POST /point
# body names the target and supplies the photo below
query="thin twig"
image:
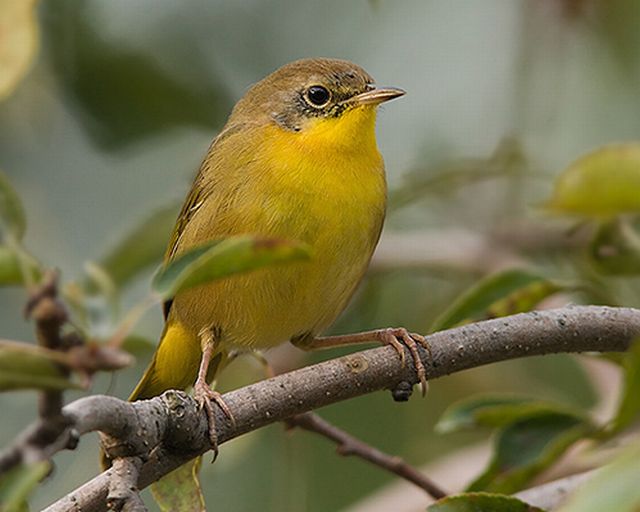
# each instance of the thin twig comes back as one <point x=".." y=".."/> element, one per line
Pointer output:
<point x="49" y="316"/>
<point x="349" y="445"/>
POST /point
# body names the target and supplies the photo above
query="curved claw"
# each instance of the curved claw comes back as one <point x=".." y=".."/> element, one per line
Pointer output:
<point x="390" y="337"/>
<point x="204" y="395"/>
<point x="400" y="337"/>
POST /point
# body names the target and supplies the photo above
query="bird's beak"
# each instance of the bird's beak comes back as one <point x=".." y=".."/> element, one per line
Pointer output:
<point x="376" y="96"/>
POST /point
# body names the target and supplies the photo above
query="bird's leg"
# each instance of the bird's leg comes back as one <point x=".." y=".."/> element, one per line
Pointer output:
<point x="398" y="338"/>
<point x="203" y="393"/>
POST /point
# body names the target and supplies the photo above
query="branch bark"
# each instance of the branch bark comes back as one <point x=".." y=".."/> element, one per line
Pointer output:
<point x="175" y="421"/>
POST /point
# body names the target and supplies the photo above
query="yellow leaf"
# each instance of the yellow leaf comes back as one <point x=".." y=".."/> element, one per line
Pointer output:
<point x="603" y="183"/>
<point x="180" y="489"/>
<point x="18" y="42"/>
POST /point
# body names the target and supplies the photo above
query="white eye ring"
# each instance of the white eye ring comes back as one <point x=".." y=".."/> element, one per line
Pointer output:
<point x="317" y="96"/>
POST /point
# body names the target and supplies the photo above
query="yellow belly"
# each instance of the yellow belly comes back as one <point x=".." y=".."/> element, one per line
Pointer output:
<point x="307" y="189"/>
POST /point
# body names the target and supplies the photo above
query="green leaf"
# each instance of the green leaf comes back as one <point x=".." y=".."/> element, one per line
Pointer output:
<point x="531" y="434"/>
<point x="16" y="484"/>
<point x="180" y="489"/>
<point x="629" y="406"/>
<point x="496" y="411"/>
<point x="100" y="279"/>
<point x="10" y="269"/>
<point x="615" y="28"/>
<point x="15" y="265"/>
<point x="490" y="411"/>
<point x="527" y="447"/>
<point x="25" y="366"/>
<point x="12" y="214"/>
<point x="602" y="183"/>
<point x="222" y="258"/>
<point x="141" y="248"/>
<point x="138" y="346"/>
<point x="505" y="293"/>
<point x="122" y="95"/>
<point x="615" y="248"/>
<point x="481" y="502"/>
<point x="613" y="488"/>
<point x="466" y="414"/>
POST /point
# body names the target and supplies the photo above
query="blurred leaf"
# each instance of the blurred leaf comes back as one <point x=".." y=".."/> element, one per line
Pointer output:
<point x="25" y="366"/>
<point x="100" y="279"/>
<point x="531" y="435"/>
<point x="481" y="502"/>
<point x="124" y="94"/>
<point x="12" y="214"/>
<point x="616" y="358"/>
<point x="602" y="183"/>
<point x="615" y="248"/>
<point x="17" y="484"/>
<point x="527" y="447"/>
<point x="138" y="346"/>
<point x="616" y="23"/>
<point x="13" y="264"/>
<point x="505" y="293"/>
<point x="141" y="248"/>
<point x="180" y="489"/>
<point x="222" y="258"/>
<point x="613" y="488"/>
<point x="496" y="411"/>
<point x="20" y="37"/>
<point x="76" y="299"/>
<point x="629" y="406"/>
<point x="466" y="414"/>
<point x="507" y="160"/>
<point x="10" y="269"/>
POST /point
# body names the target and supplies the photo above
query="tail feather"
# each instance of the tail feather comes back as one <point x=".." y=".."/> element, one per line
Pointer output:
<point x="174" y="365"/>
<point x="149" y="385"/>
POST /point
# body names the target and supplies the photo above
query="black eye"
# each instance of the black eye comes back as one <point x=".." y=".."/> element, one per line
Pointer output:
<point x="318" y="96"/>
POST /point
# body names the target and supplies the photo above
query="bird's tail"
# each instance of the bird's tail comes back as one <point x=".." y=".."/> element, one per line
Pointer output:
<point x="174" y="365"/>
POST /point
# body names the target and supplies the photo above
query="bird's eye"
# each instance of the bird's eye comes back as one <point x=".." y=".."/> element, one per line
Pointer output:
<point x="317" y="96"/>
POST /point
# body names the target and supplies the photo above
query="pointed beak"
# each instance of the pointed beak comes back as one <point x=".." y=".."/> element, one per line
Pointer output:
<point x="376" y="96"/>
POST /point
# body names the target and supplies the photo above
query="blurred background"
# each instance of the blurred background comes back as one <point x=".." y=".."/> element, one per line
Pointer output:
<point x="121" y="100"/>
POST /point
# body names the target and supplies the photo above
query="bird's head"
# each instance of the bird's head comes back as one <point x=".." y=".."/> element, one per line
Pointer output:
<point x="314" y="95"/>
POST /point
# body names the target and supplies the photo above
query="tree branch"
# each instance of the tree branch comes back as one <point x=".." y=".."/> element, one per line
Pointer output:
<point x="70" y="352"/>
<point x="184" y="426"/>
<point x="49" y="315"/>
<point x="349" y="445"/>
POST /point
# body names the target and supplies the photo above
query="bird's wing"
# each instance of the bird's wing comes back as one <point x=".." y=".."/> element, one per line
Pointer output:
<point x="201" y="189"/>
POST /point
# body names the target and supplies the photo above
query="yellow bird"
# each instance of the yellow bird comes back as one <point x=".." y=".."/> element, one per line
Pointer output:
<point x="297" y="160"/>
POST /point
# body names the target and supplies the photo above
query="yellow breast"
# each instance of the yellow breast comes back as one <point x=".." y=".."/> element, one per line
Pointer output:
<point x="323" y="185"/>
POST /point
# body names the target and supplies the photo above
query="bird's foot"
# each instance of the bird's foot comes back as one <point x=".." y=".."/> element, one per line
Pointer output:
<point x="399" y="338"/>
<point x="205" y="396"/>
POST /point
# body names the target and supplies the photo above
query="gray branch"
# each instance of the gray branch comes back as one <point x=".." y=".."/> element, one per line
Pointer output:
<point x="178" y="429"/>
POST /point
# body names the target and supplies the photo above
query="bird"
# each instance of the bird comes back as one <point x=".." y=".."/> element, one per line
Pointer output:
<point x="296" y="160"/>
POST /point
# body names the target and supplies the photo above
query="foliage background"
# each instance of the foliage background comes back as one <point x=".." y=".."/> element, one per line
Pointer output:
<point x="124" y="98"/>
